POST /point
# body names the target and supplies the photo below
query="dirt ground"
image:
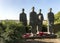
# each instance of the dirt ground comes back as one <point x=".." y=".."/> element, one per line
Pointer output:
<point x="43" y="41"/>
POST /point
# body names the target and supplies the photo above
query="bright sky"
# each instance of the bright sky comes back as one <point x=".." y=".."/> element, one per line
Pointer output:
<point x="10" y="9"/>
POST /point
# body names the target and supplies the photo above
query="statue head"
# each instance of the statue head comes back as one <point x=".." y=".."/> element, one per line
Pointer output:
<point x="50" y="9"/>
<point x="40" y="11"/>
<point x="23" y="10"/>
<point x="33" y="9"/>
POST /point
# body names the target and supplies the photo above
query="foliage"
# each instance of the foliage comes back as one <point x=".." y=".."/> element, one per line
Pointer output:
<point x="12" y="32"/>
<point x="57" y="24"/>
<point x="58" y="34"/>
<point x="57" y="18"/>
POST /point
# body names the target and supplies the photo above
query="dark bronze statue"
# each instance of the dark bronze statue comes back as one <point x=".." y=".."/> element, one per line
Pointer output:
<point x="33" y="21"/>
<point x="50" y="21"/>
<point x="40" y="21"/>
<point x="23" y="18"/>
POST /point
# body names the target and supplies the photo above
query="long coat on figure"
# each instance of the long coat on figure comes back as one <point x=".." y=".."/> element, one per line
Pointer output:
<point x="33" y="21"/>
<point x="23" y="18"/>
<point x="40" y="21"/>
<point x="50" y="21"/>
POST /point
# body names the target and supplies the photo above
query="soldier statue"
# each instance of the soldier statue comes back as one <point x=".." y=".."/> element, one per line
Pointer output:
<point x="40" y="21"/>
<point x="23" y="18"/>
<point x="33" y="21"/>
<point x="50" y="21"/>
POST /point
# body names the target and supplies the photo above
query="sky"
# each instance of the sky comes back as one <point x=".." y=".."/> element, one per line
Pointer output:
<point x="10" y="9"/>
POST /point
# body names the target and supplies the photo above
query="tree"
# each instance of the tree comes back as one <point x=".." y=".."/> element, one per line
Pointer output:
<point x="57" y="17"/>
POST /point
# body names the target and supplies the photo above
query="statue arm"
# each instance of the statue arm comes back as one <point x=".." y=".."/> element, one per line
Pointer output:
<point x="53" y="16"/>
<point x="42" y="17"/>
<point x="26" y="17"/>
<point x="48" y="16"/>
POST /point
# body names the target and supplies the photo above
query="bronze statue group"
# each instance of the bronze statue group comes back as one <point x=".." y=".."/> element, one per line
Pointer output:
<point x="36" y="20"/>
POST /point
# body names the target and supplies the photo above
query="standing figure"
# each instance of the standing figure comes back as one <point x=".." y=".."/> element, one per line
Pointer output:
<point x="40" y="21"/>
<point x="33" y="21"/>
<point x="50" y="21"/>
<point x="23" y="18"/>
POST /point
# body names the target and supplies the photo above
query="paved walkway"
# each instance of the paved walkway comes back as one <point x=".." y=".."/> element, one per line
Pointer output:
<point x="43" y="41"/>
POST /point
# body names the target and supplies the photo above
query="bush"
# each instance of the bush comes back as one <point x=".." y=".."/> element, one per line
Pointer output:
<point x="12" y="32"/>
<point x="58" y="34"/>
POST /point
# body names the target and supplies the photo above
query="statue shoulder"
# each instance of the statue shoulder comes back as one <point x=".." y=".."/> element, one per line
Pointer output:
<point x="50" y="13"/>
<point x="22" y="13"/>
<point x="32" y="12"/>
